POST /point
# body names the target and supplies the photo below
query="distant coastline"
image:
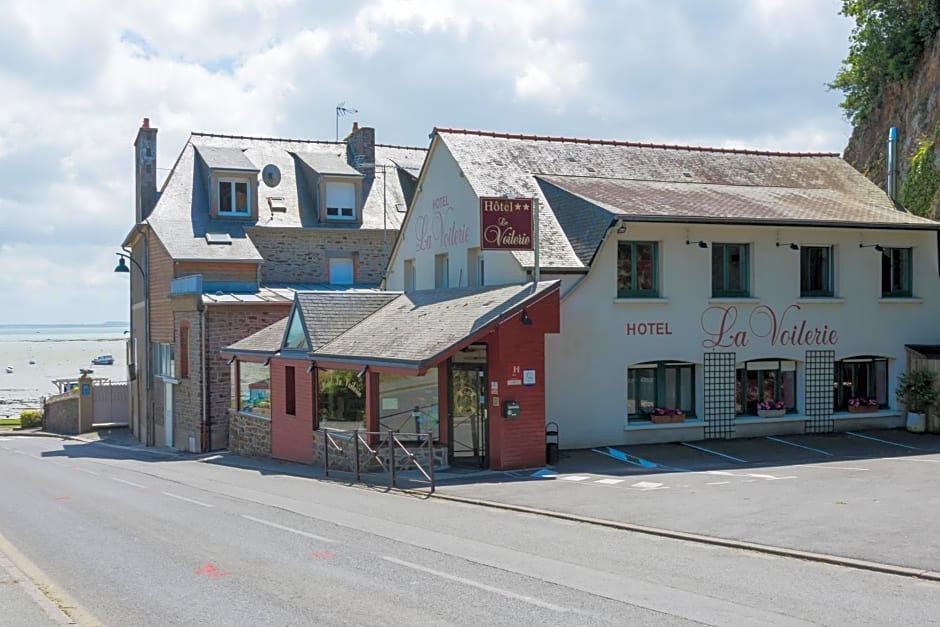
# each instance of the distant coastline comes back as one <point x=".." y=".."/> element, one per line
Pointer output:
<point x="50" y="325"/>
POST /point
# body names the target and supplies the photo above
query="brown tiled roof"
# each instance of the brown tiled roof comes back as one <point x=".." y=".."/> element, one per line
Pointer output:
<point x="416" y="327"/>
<point x="586" y="184"/>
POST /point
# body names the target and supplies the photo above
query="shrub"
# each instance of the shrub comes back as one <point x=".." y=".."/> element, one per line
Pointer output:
<point x="30" y="418"/>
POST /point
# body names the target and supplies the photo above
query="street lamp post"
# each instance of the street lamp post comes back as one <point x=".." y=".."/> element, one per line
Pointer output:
<point x="123" y="268"/>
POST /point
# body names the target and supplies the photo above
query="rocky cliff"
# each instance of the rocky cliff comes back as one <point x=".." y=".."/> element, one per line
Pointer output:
<point x="913" y="106"/>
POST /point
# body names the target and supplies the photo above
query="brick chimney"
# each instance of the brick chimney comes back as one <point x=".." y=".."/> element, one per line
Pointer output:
<point x="145" y="170"/>
<point x="360" y="149"/>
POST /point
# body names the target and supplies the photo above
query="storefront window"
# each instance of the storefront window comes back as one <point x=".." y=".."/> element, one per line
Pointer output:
<point x="409" y="404"/>
<point x="860" y="377"/>
<point x="341" y="399"/>
<point x="662" y="385"/>
<point x="254" y="386"/>
<point x="765" y="381"/>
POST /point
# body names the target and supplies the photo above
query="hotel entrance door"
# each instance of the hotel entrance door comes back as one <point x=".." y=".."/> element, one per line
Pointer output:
<point x="468" y="412"/>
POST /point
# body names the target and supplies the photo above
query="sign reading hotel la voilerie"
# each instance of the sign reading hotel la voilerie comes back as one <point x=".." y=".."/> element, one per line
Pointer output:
<point x="505" y="223"/>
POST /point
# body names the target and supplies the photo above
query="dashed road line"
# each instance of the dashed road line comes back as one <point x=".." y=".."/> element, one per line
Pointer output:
<point x="575" y="478"/>
<point x="708" y="450"/>
<point x="717" y="482"/>
<point x="187" y="499"/>
<point x="649" y="485"/>
<point x="312" y="536"/>
<point x="86" y="471"/>
<point x="808" y="448"/>
<point x="136" y="485"/>
<point x="610" y="481"/>
<point x="480" y="586"/>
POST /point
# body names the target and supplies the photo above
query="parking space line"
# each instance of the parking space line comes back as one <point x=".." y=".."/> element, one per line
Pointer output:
<point x="705" y="450"/>
<point x="717" y="482"/>
<point x="575" y="478"/>
<point x="624" y="457"/>
<point x="808" y="448"/>
<point x="610" y="481"/>
<point x="868" y="437"/>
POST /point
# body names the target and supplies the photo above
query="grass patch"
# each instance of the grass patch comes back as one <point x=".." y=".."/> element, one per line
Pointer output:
<point x="10" y="423"/>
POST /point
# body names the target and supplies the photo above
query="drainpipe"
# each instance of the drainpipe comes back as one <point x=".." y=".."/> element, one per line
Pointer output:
<point x="206" y="431"/>
<point x="892" y="165"/>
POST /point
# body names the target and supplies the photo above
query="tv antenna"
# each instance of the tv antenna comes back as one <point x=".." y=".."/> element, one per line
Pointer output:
<point x="341" y="110"/>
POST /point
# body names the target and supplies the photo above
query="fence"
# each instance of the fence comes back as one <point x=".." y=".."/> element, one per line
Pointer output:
<point x="374" y="452"/>
<point x="111" y="403"/>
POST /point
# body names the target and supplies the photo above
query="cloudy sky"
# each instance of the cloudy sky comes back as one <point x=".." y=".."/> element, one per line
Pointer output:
<point x="78" y="77"/>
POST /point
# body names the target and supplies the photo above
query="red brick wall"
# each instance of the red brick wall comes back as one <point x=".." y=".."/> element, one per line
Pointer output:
<point x="292" y="436"/>
<point x="520" y="442"/>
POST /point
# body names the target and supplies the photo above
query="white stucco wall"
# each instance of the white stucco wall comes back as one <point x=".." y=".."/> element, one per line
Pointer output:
<point x="587" y="363"/>
<point x="445" y="218"/>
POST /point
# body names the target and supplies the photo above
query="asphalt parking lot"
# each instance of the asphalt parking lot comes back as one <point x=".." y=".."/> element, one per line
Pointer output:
<point x="871" y="495"/>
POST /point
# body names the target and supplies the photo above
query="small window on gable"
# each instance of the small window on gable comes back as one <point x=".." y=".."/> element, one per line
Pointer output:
<point x="342" y="271"/>
<point x="296" y="336"/>
<point x="409" y="271"/>
<point x="234" y="199"/>
<point x="340" y="201"/>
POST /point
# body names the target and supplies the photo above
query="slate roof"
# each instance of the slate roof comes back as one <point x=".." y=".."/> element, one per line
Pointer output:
<point x="666" y="183"/>
<point x="225" y="158"/>
<point x="180" y="218"/>
<point x="267" y="341"/>
<point x="329" y="314"/>
<point x="326" y="163"/>
<point x="415" y="327"/>
<point x="279" y="293"/>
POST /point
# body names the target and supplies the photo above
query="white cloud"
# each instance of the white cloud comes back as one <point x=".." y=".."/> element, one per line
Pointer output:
<point x="79" y="77"/>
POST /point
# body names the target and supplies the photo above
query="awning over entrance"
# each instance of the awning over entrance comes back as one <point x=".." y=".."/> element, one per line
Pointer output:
<point x="419" y="329"/>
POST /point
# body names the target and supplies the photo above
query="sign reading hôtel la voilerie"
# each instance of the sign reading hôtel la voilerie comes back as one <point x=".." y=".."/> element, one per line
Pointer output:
<point x="505" y="223"/>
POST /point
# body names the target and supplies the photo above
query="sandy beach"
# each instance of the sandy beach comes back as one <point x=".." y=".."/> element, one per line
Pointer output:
<point x="54" y="359"/>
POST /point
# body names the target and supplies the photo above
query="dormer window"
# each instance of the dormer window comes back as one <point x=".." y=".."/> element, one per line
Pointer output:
<point x="234" y="199"/>
<point x="340" y="201"/>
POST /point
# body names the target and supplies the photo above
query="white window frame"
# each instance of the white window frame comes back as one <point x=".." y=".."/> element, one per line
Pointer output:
<point x="341" y="211"/>
<point x="232" y="182"/>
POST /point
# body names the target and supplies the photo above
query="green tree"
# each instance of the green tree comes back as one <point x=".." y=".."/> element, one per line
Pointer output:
<point x="886" y="42"/>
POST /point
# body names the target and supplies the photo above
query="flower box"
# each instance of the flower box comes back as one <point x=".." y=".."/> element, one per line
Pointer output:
<point x="862" y="410"/>
<point x="771" y="413"/>
<point x="667" y="419"/>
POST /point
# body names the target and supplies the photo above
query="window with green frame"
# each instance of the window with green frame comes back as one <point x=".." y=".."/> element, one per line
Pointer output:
<point x="637" y="269"/>
<point x="730" y="269"/>
<point x="663" y="384"/>
<point x="765" y="381"/>
<point x="816" y="271"/>
<point x="860" y="377"/>
<point x="897" y="272"/>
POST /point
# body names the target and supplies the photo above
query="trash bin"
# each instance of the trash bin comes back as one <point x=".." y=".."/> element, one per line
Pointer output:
<point x="551" y="443"/>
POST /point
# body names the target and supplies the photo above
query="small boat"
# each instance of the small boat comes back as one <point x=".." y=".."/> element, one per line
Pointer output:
<point x="32" y="362"/>
<point x="103" y="360"/>
<point x="9" y="369"/>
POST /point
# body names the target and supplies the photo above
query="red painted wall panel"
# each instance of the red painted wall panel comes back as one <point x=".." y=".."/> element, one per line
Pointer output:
<point x="292" y="436"/>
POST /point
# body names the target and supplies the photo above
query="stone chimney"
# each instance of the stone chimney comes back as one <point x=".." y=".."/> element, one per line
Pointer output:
<point x="145" y="170"/>
<point x="360" y="149"/>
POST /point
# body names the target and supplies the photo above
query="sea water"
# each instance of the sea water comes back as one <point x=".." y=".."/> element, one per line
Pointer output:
<point x="40" y="354"/>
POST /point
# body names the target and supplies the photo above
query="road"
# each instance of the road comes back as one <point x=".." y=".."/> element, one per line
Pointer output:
<point x="128" y="538"/>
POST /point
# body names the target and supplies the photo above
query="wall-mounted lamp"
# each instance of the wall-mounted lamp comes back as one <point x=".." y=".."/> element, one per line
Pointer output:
<point x="232" y="360"/>
<point x="792" y="245"/>
<point x="877" y="247"/>
<point x="700" y="244"/>
<point x="311" y="367"/>
<point x="621" y="228"/>
<point x="526" y="320"/>
<point x="363" y="372"/>
<point x="267" y="362"/>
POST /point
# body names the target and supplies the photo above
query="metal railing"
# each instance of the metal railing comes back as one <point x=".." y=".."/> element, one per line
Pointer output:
<point x="384" y="448"/>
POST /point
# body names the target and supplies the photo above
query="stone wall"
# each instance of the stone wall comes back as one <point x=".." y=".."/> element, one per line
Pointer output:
<point x="60" y="414"/>
<point x="302" y="255"/>
<point x="249" y="435"/>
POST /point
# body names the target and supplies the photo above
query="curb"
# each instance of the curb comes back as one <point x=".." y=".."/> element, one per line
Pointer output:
<point x="836" y="560"/>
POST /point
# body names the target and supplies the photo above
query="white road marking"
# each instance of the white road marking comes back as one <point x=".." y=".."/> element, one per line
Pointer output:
<point x="808" y="448"/>
<point x="86" y="471"/>
<point x="769" y="477"/>
<point x="868" y="437"/>
<point x="610" y="481"/>
<point x="828" y="467"/>
<point x="912" y="459"/>
<point x="647" y="485"/>
<point x="708" y="450"/>
<point x="290" y="529"/>
<point x="136" y="485"/>
<point x="717" y="482"/>
<point x="478" y="585"/>
<point x="188" y="500"/>
<point x="575" y="478"/>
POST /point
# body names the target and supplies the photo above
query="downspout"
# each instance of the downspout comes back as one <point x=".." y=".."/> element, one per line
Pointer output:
<point x="206" y="429"/>
<point x="892" y="165"/>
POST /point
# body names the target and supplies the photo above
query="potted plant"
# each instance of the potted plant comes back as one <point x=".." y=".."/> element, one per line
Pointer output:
<point x="917" y="390"/>
<point x="665" y="415"/>
<point x="771" y="409"/>
<point x="861" y="405"/>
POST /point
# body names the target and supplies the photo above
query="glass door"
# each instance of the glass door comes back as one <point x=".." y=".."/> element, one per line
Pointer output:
<point x="468" y="415"/>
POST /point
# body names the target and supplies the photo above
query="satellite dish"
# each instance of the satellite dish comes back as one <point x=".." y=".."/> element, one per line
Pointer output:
<point x="271" y="175"/>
